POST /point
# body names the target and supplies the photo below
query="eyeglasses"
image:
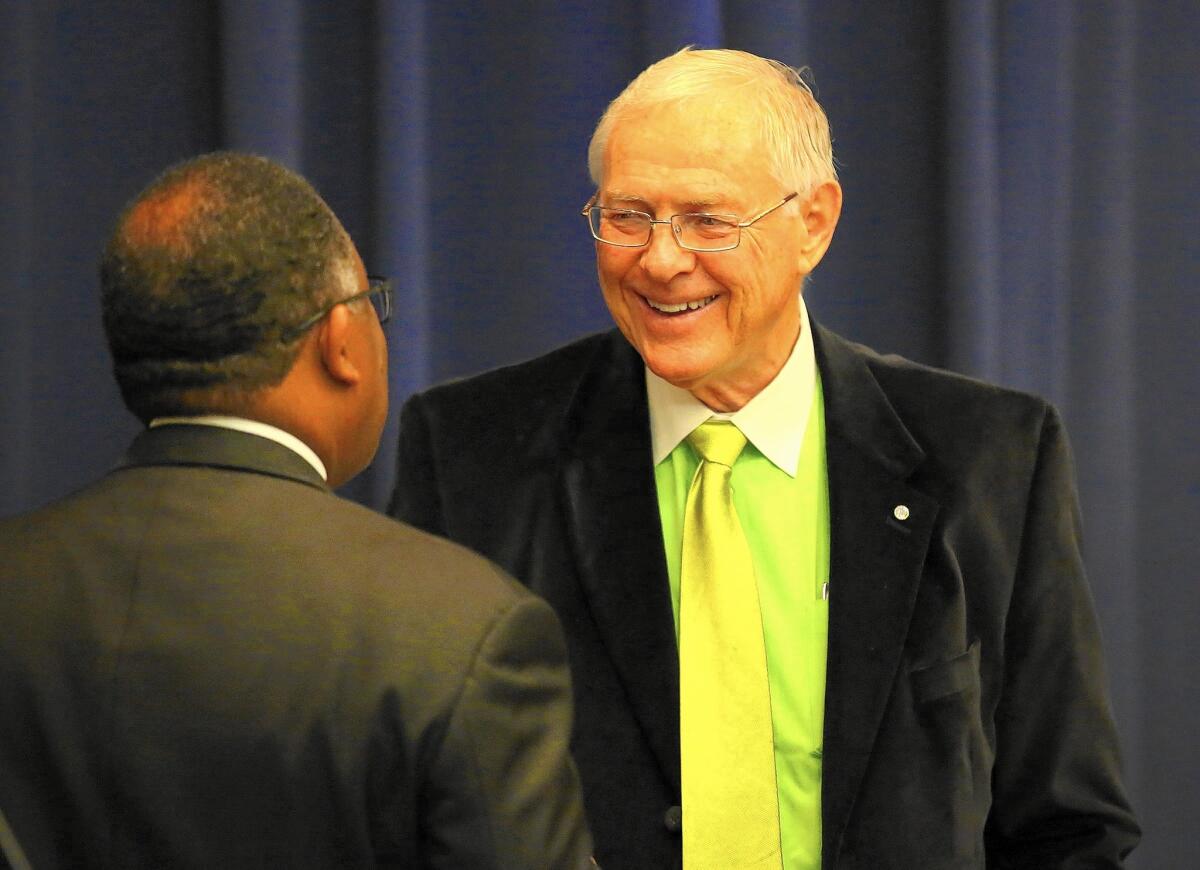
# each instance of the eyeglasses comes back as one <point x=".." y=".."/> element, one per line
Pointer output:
<point x="706" y="233"/>
<point x="379" y="292"/>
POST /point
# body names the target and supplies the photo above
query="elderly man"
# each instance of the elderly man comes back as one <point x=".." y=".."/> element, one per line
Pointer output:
<point x="209" y="660"/>
<point x="824" y="608"/>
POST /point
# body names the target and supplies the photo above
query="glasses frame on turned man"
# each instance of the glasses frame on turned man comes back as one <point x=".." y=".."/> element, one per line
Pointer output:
<point x="700" y="232"/>
<point x="378" y="292"/>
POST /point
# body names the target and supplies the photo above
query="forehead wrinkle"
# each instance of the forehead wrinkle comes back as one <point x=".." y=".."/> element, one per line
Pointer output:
<point x="162" y="218"/>
<point x="715" y="204"/>
<point x="622" y="196"/>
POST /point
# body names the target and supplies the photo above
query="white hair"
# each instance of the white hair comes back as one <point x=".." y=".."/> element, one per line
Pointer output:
<point x="793" y="127"/>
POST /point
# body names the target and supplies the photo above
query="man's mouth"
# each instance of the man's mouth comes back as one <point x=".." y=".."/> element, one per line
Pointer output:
<point x="678" y="307"/>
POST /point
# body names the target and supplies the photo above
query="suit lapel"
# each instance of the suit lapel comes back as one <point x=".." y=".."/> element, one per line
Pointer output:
<point x="615" y="530"/>
<point x="879" y="529"/>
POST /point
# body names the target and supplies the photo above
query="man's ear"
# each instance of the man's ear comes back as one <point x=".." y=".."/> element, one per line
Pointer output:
<point x="334" y="341"/>
<point x="820" y="213"/>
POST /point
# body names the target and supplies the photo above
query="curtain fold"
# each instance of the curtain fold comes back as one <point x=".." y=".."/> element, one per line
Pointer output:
<point x="261" y="66"/>
<point x="973" y="187"/>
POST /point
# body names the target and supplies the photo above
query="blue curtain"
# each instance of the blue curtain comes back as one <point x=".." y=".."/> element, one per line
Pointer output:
<point x="1021" y="191"/>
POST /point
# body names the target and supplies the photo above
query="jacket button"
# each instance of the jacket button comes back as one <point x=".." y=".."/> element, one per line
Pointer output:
<point x="673" y="819"/>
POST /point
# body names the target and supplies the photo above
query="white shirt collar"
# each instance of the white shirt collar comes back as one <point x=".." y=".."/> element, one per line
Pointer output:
<point x="773" y="421"/>
<point x="252" y="427"/>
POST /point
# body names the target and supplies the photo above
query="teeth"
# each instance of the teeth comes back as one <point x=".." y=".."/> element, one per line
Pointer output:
<point x="682" y="306"/>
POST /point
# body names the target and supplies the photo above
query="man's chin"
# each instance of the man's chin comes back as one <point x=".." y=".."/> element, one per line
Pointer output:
<point x="686" y="374"/>
<point x="683" y="363"/>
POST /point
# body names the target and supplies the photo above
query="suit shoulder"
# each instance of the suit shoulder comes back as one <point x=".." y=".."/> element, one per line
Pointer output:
<point x="523" y="406"/>
<point x="428" y="605"/>
<point x="399" y="552"/>
<point x="928" y="392"/>
<point x="551" y="376"/>
<point x="957" y="422"/>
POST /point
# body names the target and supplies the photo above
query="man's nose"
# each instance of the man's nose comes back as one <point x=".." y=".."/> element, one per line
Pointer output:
<point x="662" y="258"/>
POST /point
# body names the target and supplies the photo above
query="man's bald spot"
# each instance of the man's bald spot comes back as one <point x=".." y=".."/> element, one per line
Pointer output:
<point x="161" y="219"/>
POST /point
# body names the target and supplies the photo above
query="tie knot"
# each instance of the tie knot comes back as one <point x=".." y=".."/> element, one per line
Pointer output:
<point x="718" y="441"/>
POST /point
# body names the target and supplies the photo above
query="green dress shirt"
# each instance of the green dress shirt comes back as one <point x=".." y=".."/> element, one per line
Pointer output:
<point x="786" y="522"/>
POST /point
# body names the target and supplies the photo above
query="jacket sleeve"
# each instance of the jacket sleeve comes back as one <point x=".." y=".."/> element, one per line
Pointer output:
<point x="1057" y="796"/>
<point x="502" y="791"/>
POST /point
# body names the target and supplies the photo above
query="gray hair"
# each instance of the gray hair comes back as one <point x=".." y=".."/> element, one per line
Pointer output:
<point x="793" y="127"/>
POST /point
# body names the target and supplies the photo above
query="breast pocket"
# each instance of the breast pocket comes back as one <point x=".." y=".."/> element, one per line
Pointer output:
<point x="944" y="679"/>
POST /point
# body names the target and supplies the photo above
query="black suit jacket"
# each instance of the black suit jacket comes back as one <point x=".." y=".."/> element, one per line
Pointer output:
<point x="966" y="714"/>
<point x="209" y="660"/>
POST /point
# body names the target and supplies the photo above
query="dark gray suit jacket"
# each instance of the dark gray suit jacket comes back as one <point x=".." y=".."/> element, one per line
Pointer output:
<point x="209" y="660"/>
<point x="966" y="710"/>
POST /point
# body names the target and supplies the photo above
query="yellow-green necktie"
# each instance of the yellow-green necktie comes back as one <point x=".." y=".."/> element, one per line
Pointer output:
<point x="730" y="803"/>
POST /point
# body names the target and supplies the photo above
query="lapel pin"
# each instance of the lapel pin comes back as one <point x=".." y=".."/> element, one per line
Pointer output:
<point x="900" y="512"/>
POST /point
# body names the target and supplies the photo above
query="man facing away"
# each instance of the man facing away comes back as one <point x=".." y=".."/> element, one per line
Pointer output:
<point x="209" y="660"/>
<point x="824" y="608"/>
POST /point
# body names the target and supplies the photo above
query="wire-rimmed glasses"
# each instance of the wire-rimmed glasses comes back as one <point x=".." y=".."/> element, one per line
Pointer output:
<point x="705" y="233"/>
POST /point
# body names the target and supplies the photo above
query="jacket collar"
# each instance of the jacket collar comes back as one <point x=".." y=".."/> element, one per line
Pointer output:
<point x="856" y="407"/>
<point x="214" y="447"/>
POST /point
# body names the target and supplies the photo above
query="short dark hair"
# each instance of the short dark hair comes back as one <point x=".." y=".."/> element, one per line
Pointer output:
<point x="207" y="269"/>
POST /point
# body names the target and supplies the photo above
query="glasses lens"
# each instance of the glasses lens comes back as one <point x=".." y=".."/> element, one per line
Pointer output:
<point x="706" y="232"/>
<point x="381" y="298"/>
<point x="619" y="226"/>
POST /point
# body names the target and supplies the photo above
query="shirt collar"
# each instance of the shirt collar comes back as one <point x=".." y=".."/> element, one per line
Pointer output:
<point x="251" y="427"/>
<point x="773" y="421"/>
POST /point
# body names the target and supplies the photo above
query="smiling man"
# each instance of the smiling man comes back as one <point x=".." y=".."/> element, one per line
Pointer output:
<point x="824" y="608"/>
<point x="721" y="323"/>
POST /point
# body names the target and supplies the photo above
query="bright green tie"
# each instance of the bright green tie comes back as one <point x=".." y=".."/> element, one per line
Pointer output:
<point x="730" y="803"/>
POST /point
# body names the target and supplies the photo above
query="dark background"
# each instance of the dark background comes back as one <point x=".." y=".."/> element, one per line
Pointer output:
<point x="1021" y="200"/>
